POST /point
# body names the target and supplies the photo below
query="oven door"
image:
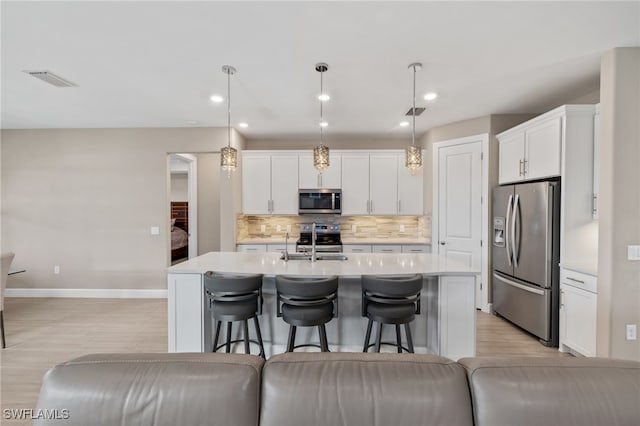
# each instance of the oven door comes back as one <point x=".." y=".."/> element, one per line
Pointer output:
<point x="315" y="201"/>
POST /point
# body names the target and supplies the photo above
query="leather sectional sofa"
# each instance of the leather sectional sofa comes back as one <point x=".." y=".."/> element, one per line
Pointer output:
<point x="330" y="389"/>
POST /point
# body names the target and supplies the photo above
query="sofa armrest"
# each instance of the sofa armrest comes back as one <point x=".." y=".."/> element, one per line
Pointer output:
<point x="153" y="389"/>
<point x="554" y="391"/>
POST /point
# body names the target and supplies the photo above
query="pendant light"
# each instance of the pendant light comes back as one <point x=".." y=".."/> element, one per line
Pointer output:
<point x="228" y="154"/>
<point x="321" y="152"/>
<point x="413" y="153"/>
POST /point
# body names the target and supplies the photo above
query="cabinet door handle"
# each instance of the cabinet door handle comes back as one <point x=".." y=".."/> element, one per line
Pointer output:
<point x="575" y="280"/>
<point x="524" y="167"/>
<point x="371" y="208"/>
<point x="561" y="298"/>
<point x="520" y="168"/>
<point x="595" y="203"/>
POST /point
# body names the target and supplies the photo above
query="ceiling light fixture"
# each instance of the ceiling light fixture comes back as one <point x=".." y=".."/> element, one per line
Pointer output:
<point x="321" y="152"/>
<point x="216" y="98"/>
<point x="430" y="96"/>
<point x="243" y="125"/>
<point x="413" y="154"/>
<point x="228" y="154"/>
<point x="404" y="123"/>
<point x="323" y="97"/>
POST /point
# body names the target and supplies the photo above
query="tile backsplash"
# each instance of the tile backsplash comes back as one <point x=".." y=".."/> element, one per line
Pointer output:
<point x="353" y="227"/>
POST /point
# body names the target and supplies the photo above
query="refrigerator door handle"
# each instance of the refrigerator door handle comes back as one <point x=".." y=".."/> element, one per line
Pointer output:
<point x="520" y="286"/>
<point x="506" y="230"/>
<point x="515" y="248"/>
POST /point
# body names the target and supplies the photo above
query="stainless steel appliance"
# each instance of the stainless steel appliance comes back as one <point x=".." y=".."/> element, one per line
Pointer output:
<point x="319" y="201"/>
<point x="327" y="238"/>
<point x="526" y="252"/>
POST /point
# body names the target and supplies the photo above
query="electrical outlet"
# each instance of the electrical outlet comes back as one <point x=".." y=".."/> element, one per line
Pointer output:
<point x="278" y="228"/>
<point x="56" y="269"/>
<point x="401" y="228"/>
<point x="289" y="228"/>
<point x="633" y="252"/>
<point x="263" y="228"/>
<point x="632" y="332"/>
<point x="354" y="228"/>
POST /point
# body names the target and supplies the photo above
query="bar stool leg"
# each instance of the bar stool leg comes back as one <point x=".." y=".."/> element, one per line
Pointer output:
<point x="407" y="331"/>
<point x="379" y="337"/>
<point x="398" y="338"/>
<point x="292" y="338"/>
<point x="228" y="348"/>
<point x="257" y="325"/>
<point x="324" y="346"/>
<point x="367" y="336"/>
<point x="245" y="325"/>
<point x="215" y="339"/>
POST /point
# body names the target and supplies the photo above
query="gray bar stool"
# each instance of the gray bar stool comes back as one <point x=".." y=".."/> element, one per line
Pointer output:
<point x="390" y="299"/>
<point x="235" y="297"/>
<point x="307" y="302"/>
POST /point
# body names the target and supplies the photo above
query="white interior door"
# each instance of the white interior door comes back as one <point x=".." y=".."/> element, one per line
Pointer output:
<point x="459" y="195"/>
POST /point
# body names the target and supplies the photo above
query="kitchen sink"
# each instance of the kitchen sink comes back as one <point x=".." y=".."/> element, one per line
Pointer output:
<point x="319" y="256"/>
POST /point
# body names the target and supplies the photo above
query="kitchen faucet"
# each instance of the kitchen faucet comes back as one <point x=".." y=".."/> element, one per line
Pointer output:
<point x="285" y="255"/>
<point x="314" y="235"/>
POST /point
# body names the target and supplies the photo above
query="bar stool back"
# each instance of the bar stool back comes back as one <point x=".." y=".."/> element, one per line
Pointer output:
<point x="307" y="302"/>
<point x="390" y="299"/>
<point x="235" y="297"/>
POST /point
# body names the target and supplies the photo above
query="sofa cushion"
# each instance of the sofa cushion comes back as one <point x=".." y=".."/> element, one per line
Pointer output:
<point x="154" y="389"/>
<point x="554" y="391"/>
<point x="363" y="389"/>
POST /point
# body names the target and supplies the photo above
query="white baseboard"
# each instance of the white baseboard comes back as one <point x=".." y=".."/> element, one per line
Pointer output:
<point x="99" y="293"/>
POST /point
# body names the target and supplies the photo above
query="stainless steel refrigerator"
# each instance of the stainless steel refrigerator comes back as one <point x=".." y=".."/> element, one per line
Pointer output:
<point x="526" y="252"/>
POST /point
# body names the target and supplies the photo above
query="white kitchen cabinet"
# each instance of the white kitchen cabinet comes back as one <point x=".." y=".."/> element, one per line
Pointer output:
<point x="416" y="248"/>
<point x="578" y="304"/>
<point x="386" y="248"/>
<point x="410" y="189"/>
<point x="269" y="183"/>
<point x="531" y="150"/>
<point x="355" y="184"/>
<point x="251" y="248"/>
<point x="383" y="184"/>
<point x="596" y="161"/>
<point x="356" y="248"/>
<point x="310" y="178"/>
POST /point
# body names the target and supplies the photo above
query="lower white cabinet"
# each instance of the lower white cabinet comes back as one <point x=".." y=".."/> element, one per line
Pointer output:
<point x="356" y="248"/>
<point x="386" y="248"/>
<point x="251" y="248"/>
<point x="414" y="248"/>
<point x="578" y="304"/>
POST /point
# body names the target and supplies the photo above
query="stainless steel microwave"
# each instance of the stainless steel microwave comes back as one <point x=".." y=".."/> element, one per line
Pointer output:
<point x="319" y="201"/>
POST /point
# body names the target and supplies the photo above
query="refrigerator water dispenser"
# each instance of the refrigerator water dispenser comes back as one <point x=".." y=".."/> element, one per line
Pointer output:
<point x="498" y="232"/>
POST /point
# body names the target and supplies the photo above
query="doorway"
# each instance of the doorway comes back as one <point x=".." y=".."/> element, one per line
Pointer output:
<point x="460" y="206"/>
<point x="183" y="206"/>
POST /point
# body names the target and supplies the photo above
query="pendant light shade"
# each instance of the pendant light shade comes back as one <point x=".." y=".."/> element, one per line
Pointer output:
<point x="321" y="152"/>
<point x="228" y="154"/>
<point x="413" y="154"/>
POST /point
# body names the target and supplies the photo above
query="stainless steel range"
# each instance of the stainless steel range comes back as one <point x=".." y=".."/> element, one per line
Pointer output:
<point x="327" y="238"/>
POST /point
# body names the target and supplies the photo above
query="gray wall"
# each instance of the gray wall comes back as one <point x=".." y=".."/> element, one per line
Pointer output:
<point x="208" y="202"/>
<point x="619" y="203"/>
<point x="85" y="199"/>
<point x="179" y="187"/>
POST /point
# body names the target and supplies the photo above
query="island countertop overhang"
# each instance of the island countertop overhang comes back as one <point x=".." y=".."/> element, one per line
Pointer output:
<point x="357" y="264"/>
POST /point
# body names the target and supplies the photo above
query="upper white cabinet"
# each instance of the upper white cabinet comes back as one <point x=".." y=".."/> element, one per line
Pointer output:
<point x="410" y="189"/>
<point x="596" y="161"/>
<point x="531" y="150"/>
<point x="355" y="184"/>
<point x="310" y="178"/>
<point x="269" y="183"/>
<point x="379" y="184"/>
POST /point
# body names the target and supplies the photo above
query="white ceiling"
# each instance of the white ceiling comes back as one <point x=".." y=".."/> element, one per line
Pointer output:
<point x="155" y="64"/>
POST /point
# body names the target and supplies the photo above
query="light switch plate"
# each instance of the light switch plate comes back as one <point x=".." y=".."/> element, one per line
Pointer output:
<point x="632" y="332"/>
<point x="263" y="228"/>
<point x="155" y="230"/>
<point x="633" y="252"/>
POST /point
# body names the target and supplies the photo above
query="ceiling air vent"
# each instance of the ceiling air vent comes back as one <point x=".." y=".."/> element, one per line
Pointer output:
<point x="419" y="110"/>
<point x="51" y="78"/>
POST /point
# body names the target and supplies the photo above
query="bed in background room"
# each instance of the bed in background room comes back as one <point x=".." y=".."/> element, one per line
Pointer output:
<point x="179" y="230"/>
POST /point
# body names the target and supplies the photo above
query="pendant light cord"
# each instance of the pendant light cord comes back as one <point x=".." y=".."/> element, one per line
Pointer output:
<point x="228" y="109"/>
<point x="321" y="115"/>
<point x="413" y="132"/>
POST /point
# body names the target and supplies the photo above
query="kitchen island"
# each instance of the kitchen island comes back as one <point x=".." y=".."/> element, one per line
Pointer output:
<point x="445" y="326"/>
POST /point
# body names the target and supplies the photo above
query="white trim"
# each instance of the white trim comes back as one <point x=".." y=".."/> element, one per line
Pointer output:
<point x="97" y="293"/>
<point x="435" y="246"/>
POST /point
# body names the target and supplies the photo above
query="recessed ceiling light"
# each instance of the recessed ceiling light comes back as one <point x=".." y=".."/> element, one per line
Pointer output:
<point x="243" y="125"/>
<point x="404" y="123"/>
<point x="430" y="96"/>
<point x="324" y="97"/>
<point x="217" y="99"/>
<point x="323" y="124"/>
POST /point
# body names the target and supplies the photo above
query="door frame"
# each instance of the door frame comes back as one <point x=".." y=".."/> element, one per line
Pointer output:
<point x="483" y="138"/>
<point x="192" y="199"/>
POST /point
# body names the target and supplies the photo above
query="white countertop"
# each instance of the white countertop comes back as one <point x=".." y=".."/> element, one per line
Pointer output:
<point x="357" y="264"/>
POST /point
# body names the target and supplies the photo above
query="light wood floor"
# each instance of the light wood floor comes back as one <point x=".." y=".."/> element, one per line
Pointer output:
<point x="44" y="332"/>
